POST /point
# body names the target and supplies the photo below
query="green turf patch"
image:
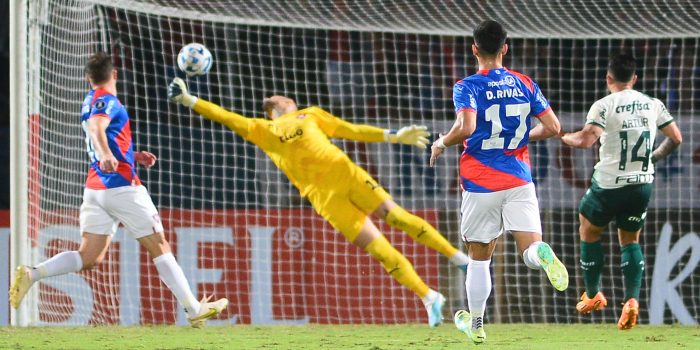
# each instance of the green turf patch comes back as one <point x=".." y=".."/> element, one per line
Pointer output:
<point x="369" y="337"/>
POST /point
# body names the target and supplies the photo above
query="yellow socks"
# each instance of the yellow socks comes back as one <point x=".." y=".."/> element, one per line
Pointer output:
<point x="420" y="230"/>
<point x="397" y="265"/>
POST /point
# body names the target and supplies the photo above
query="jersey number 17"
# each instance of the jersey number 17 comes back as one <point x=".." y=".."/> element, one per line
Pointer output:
<point x="492" y="114"/>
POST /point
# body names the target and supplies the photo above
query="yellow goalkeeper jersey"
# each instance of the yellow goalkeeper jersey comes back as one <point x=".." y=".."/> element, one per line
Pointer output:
<point x="298" y="143"/>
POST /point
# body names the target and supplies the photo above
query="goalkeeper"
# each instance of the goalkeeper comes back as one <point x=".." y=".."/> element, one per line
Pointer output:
<point x="339" y="190"/>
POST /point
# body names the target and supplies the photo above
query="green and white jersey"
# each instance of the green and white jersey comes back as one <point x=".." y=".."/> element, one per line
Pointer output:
<point x="629" y="120"/>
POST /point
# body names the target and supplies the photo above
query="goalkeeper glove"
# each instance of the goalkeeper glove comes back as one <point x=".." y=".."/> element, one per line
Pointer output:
<point x="415" y="135"/>
<point x="177" y="92"/>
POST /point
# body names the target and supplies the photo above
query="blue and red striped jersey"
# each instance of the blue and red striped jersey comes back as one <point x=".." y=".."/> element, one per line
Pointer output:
<point x="99" y="103"/>
<point x="495" y="156"/>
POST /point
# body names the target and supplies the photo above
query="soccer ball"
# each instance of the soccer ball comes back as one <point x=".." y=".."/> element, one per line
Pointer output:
<point x="194" y="59"/>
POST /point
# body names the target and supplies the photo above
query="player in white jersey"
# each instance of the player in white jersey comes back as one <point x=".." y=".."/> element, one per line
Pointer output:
<point x="625" y="122"/>
<point x="114" y="194"/>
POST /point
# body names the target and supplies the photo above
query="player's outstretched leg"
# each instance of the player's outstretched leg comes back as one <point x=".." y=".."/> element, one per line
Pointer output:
<point x="402" y="271"/>
<point x="539" y="255"/>
<point x="174" y="278"/>
<point x="59" y="264"/>
<point x="425" y="234"/>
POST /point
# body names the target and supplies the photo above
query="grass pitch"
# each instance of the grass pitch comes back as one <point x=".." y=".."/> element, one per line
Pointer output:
<point x="370" y="337"/>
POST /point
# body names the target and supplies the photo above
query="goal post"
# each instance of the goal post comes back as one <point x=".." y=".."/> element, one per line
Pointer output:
<point x="239" y="228"/>
<point x="18" y="144"/>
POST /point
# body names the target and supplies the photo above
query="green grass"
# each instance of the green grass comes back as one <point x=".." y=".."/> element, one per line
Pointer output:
<point x="513" y="336"/>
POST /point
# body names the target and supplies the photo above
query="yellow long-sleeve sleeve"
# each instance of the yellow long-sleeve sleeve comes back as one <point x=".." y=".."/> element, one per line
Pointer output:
<point x="338" y="128"/>
<point x="243" y="126"/>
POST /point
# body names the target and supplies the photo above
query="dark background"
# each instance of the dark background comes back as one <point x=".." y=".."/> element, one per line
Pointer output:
<point x="388" y="90"/>
<point x="5" y="105"/>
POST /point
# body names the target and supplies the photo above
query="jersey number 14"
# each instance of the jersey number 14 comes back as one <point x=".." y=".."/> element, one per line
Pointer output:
<point x="642" y="141"/>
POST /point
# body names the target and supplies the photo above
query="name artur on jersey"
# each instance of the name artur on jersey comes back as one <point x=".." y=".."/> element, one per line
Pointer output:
<point x="514" y="92"/>
<point x="635" y="123"/>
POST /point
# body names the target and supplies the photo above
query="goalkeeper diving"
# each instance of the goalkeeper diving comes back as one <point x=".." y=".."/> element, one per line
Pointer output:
<point x="344" y="194"/>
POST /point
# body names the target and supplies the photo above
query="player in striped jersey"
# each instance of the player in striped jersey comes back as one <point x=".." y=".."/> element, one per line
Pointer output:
<point x="494" y="110"/>
<point x="625" y="121"/>
<point x="113" y="194"/>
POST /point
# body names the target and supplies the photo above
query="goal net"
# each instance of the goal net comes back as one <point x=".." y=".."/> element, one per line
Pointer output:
<point x="241" y="231"/>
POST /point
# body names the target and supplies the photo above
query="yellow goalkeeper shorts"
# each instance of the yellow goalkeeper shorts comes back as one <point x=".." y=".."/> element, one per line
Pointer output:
<point x="346" y="205"/>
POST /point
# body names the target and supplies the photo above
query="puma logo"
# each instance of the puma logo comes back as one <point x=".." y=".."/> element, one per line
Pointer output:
<point x="372" y="186"/>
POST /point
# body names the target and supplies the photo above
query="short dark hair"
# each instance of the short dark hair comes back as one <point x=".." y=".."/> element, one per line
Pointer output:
<point x="489" y="37"/>
<point x="622" y="67"/>
<point x="99" y="67"/>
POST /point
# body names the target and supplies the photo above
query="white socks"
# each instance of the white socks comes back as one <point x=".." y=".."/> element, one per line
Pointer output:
<point x="530" y="257"/>
<point x="171" y="274"/>
<point x="459" y="259"/>
<point x="59" y="264"/>
<point x="478" y="286"/>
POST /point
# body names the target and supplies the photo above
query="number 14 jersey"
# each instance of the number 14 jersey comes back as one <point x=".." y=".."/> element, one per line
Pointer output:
<point x="495" y="156"/>
<point x="629" y="120"/>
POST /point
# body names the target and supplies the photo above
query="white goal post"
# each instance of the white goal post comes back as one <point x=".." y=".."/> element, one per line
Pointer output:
<point x="238" y="227"/>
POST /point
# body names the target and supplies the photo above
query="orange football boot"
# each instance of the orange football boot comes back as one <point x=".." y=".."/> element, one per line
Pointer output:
<point x="628" y="319"/>
<point x="587" y="304"/>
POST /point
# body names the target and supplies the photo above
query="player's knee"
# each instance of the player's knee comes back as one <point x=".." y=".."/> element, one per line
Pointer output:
<point x="588" y="234"/>
<point x="91" y="260"/>
<point x="626" y="240"/>
<point x="155" y="244"/>
<point x="385" y="208"/>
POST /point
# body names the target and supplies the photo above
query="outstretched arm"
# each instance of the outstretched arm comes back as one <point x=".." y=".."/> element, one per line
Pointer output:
<point x="584" y="138"/>
<point x="177" y="92"/>
<point x="335" y="127"/>
<point x="548" y="127"/>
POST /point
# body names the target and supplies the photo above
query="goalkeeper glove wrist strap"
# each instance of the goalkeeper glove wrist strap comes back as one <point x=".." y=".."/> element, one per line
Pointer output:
<point x="189" y="100"/>
<point x="390" y="136"/>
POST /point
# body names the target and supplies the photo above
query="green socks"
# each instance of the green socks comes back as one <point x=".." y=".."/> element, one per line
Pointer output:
<point x="591" y="263"/>
<point x="633" y="269"/>
<point x="592" y="259"/>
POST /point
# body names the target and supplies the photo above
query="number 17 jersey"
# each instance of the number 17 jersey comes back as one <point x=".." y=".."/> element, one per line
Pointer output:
<point x="495" y="156"/>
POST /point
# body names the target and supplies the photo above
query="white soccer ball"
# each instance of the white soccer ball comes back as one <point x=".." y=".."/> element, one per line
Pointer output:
<point x="194" y="59"/>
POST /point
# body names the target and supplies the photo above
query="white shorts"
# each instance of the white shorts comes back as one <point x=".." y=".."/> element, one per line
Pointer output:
<point x="103" y="210"/>
<point x="486" y="215"/>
